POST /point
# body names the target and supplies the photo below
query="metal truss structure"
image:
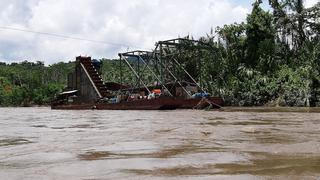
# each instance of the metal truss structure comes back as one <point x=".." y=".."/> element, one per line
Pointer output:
<point x="165" y="65"/>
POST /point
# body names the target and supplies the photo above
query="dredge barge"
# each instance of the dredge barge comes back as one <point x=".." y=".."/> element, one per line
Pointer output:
<point x="160" y="83"/>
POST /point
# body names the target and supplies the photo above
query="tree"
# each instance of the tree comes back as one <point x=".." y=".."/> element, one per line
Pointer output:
<point x="260" y="40"/>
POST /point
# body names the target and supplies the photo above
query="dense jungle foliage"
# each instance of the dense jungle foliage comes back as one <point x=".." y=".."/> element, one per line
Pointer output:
<point x="273" y="58"/>
<point x="28" y="83"/>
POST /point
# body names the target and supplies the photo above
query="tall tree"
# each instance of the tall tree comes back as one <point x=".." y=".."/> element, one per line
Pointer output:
<point x="260" y="38"/>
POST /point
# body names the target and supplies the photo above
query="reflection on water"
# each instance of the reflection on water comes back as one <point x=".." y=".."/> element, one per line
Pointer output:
<point x="37" y="143"/>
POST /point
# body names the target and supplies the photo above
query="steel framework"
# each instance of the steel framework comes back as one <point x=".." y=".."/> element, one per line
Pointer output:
<point x="166" y="64"/>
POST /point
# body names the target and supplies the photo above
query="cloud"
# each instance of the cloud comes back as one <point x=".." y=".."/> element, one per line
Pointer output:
<point x="310" y="3"/>
<point x="136" y="23"/>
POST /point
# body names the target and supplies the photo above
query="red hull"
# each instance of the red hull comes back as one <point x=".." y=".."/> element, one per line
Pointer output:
<point x="72" y="106"/>
<point x="143" y="104"/>
<point x="164" y="103"/>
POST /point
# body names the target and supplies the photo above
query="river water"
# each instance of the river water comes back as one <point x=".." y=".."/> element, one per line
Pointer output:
<point x="38" y="143"/>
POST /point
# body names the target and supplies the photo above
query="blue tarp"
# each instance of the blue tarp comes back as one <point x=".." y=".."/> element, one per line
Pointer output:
<point x="200" y="95"/>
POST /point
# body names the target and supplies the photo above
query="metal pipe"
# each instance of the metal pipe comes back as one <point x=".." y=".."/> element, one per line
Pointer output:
<point x="176" y="79"/>
<point x="188" y="74"/>
<point x="136" y="74"/>
<point x="154" y="74"/>
<point x="121" y="80"/>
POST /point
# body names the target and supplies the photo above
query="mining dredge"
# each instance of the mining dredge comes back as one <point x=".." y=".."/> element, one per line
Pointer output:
<point x="157" y="86"/>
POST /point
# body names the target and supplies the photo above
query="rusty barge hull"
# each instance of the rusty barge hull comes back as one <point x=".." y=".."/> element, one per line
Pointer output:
<point x="72" y="106"/>
<point x="155" y="104"/>
<point x="167" y="103"/>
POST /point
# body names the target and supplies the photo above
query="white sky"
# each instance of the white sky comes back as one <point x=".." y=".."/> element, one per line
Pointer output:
<point x="135" y="23"/>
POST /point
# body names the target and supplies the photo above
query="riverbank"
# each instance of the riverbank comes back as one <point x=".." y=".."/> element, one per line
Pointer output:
<point x="272" y="109"/>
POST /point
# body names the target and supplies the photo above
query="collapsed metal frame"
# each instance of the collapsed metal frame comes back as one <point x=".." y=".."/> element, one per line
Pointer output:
<point x="179" y="44"/>
<point x="161" y="64"/>
<point x="144" y="58"/>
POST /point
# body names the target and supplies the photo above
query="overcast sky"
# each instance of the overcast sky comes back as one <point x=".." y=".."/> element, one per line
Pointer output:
<point x="125" y="24"/>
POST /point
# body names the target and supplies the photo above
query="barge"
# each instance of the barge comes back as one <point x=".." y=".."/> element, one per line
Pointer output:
<point x="86" y="89"/>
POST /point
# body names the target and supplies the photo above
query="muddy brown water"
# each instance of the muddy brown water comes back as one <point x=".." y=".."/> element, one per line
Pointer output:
<point x="37" y="143"/>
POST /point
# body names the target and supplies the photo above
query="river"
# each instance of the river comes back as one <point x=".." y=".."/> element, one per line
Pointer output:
<point x="39" y="143"/>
